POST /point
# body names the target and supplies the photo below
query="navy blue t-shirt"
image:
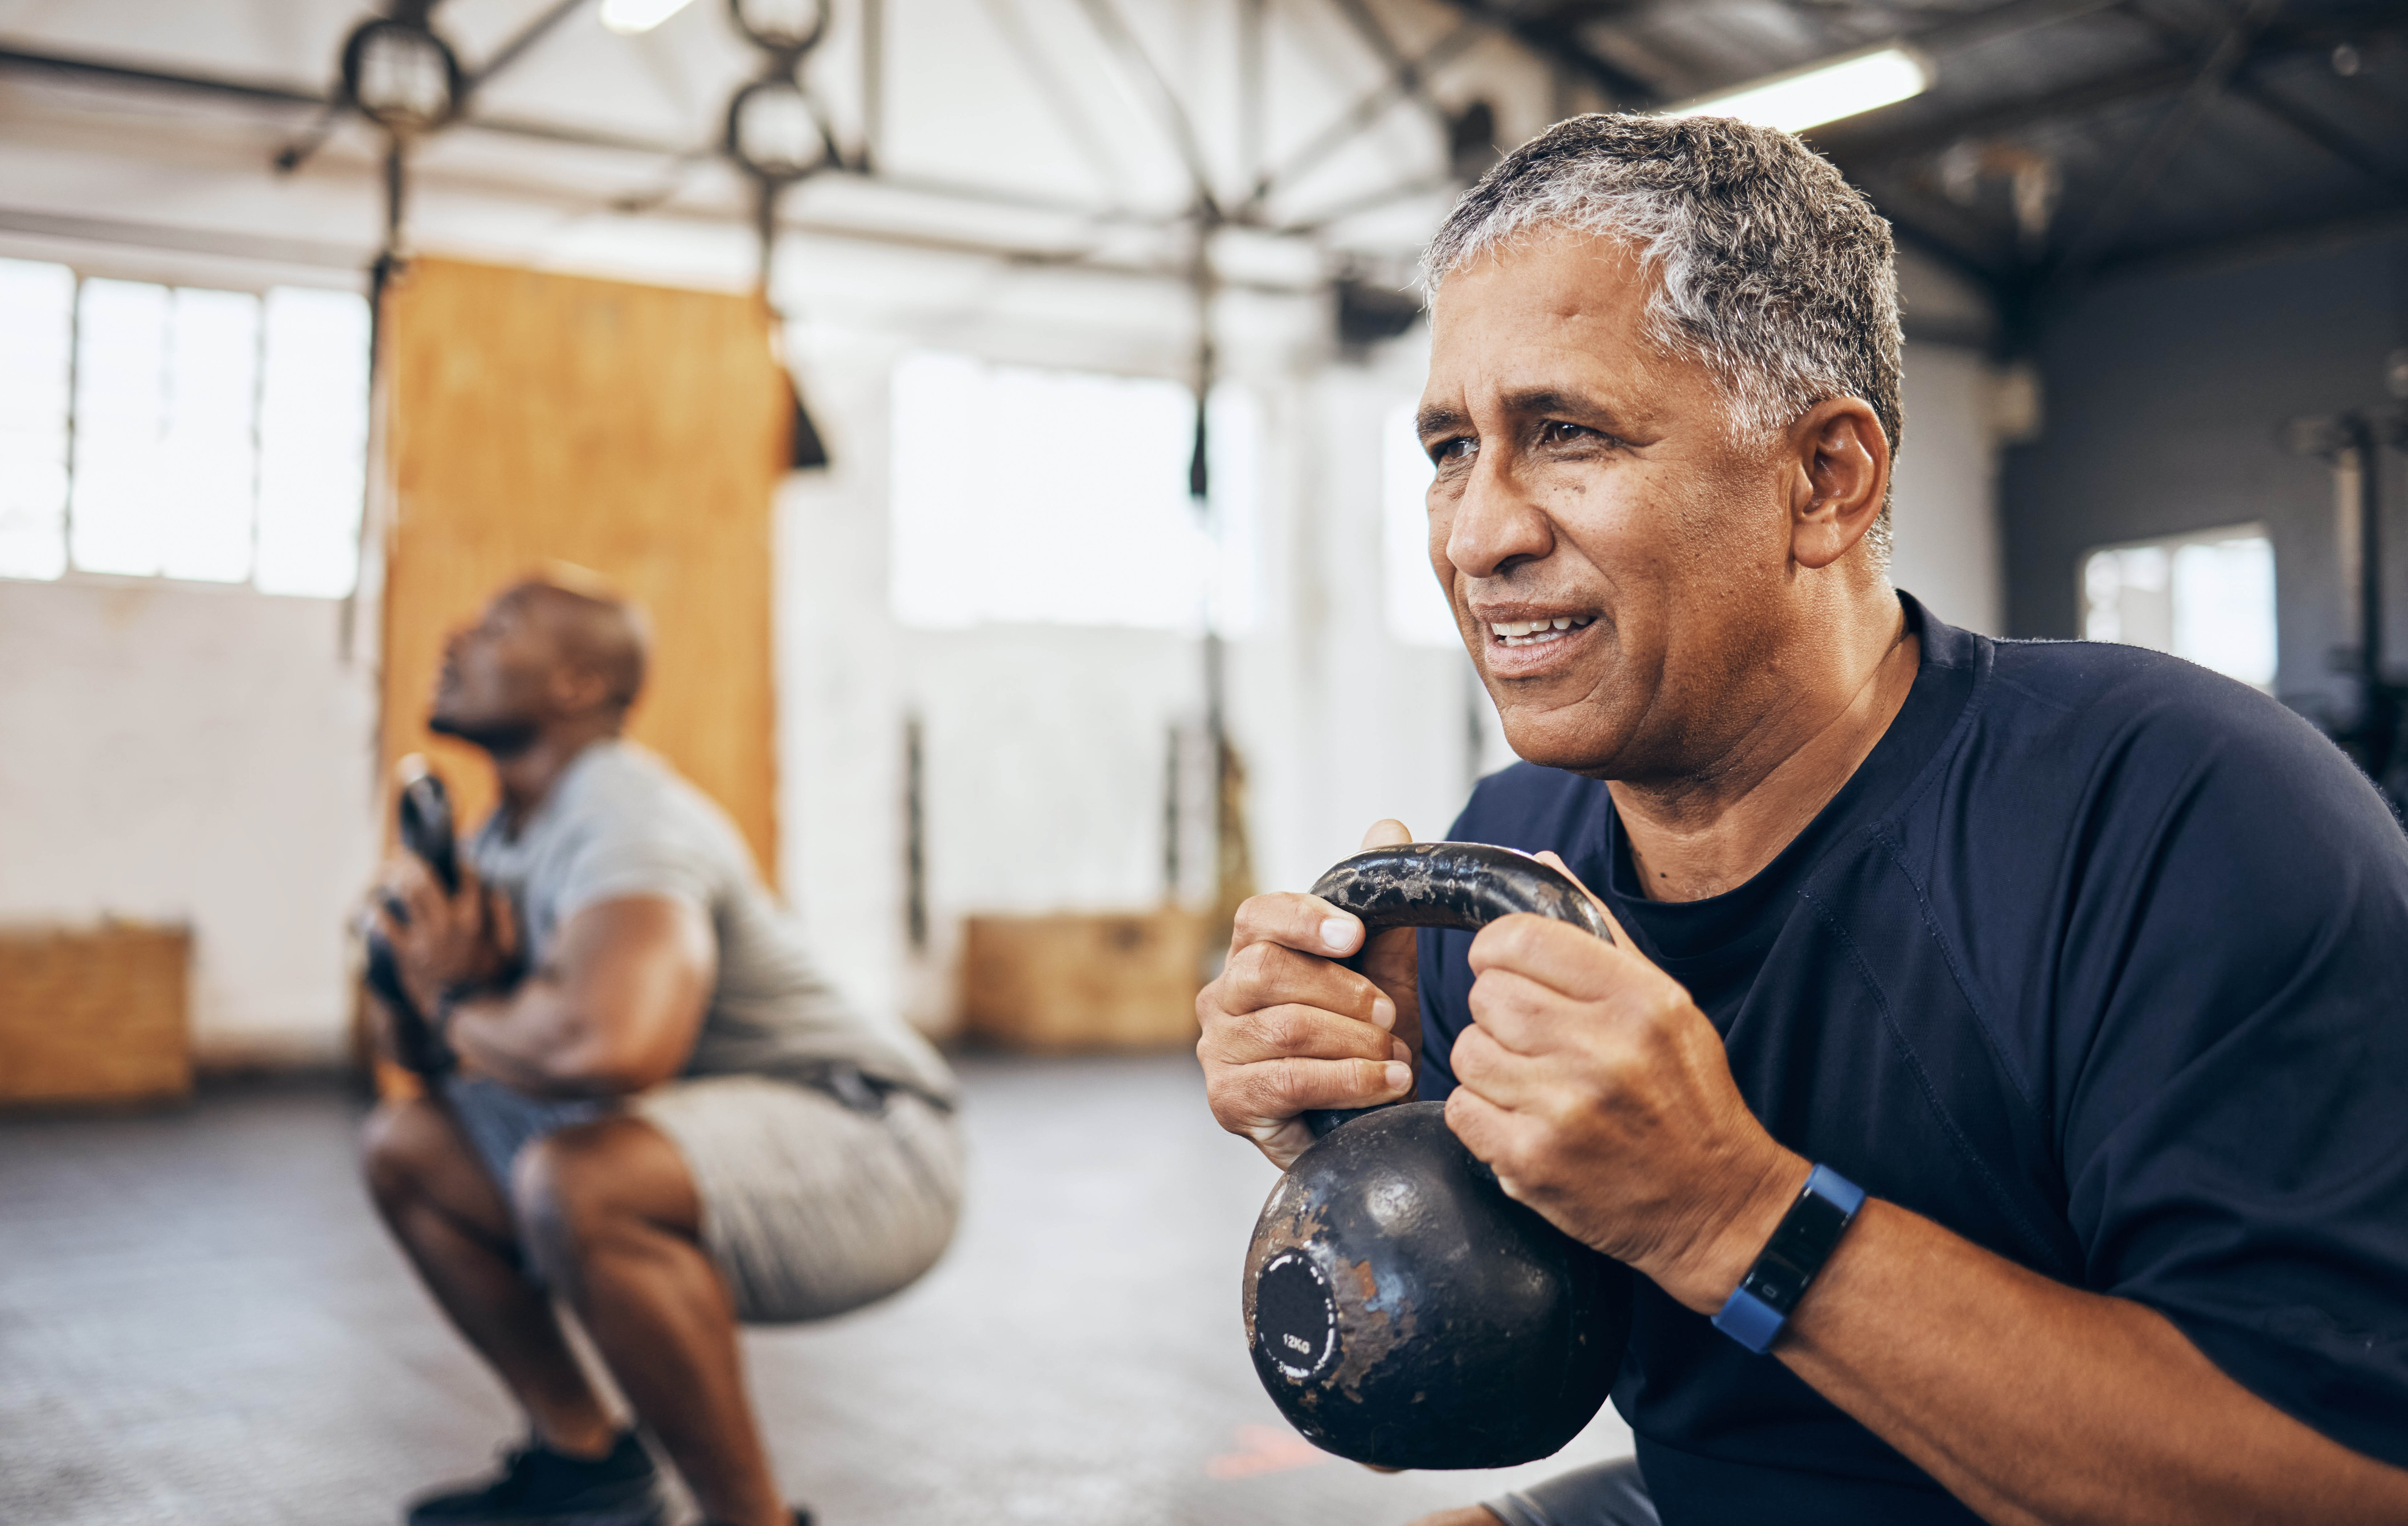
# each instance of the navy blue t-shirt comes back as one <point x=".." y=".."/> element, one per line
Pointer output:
<point x="2098" y="962"/>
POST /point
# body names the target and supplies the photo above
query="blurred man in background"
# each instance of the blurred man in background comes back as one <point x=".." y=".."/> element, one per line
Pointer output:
<point x="660" y="1115"/>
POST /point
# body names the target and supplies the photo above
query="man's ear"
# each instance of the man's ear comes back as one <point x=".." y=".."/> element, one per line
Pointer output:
<point x="576" y="688"/>
<point x="1841" y="481"/>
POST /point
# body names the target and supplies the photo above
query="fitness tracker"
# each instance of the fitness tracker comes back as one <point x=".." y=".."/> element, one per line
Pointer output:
<point x="1808" y="1233"/>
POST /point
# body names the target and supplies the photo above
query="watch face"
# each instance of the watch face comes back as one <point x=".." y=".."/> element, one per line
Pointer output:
<point x="1797" y="1249"/>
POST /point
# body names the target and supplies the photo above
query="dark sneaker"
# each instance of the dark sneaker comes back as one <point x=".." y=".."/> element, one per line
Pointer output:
<point x="539" y="1486"/>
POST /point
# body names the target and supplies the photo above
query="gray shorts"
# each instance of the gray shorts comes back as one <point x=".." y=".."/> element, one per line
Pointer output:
<point x="1605" y="1494"/>
<point x="809" y="1206"/>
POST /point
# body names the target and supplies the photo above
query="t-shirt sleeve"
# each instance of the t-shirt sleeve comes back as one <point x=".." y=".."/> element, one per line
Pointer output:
<point x="625" y="854"/>
<point x="2232" y="1070"/>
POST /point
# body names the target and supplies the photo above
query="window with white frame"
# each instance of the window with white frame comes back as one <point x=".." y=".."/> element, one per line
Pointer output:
<point x="1060" y="497"/>
<point x="1419" y="613"/>
<point x="181" y="432"/>
<point x="2207" y="596"/>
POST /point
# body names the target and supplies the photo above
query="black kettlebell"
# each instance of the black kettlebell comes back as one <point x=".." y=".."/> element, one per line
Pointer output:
<point x="1402" y="1310"/>
<point x="424" y="809"/>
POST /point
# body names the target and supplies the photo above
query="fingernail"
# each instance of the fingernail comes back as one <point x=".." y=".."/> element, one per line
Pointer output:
<point x="1398" y="1075"/>
<point x="1336" y="933"/>
<point x="1383" y="1011"/>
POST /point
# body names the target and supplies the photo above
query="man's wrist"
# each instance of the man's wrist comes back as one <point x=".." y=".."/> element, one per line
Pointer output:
<point x="1724" y="1256"/>
<point x="1791" y="1261"/>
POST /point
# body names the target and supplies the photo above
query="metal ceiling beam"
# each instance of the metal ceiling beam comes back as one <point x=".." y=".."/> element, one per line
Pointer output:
<point x="1405" y="71"/>
<point x="1114" y="29"/>
<point x="511" y="51"/>
<point x="1367" y="109"/>
<point x="1550" y="36"/>
<point x="1897" y="133"/>
<point x="2333" y="230"/>
<point x="287" y="97"/>
<point x="352" y="257"/>
<point x="2322" y="133"/>
<point x="2157" y="153"/>
<point x="24" y="61"/>
<point x="1055" y="92"/>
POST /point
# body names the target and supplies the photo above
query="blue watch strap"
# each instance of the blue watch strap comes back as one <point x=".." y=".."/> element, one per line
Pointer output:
<point x="1803" y="1241"/>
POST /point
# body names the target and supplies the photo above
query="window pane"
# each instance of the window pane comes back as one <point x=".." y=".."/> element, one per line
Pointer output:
<point x="211" y="454"/>
<point x="1234" y="440"/>
<point x="313" y="442"/>
<point x="1419" y="613"/>
<point x="121" y="418"/>
<point x="1053" y="496"/>
<point x="37" y="333"/>
<point x="2207" y="597"/>
<point x="2224" y="608"/>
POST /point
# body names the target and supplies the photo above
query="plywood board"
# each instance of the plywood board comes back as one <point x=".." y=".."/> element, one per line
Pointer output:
<point x="1072" y="982"/>
<point x="637" y="431"/>
<point x="94" y="1015"/>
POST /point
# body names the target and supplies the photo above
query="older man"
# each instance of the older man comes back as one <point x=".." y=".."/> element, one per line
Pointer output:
<point x="661" y="1115"/>
<point x="2038" y="1003"/>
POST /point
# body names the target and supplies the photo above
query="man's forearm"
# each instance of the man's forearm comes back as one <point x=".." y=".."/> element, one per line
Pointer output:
<point x="2035" y="1403"/>
<point x="530" y="1039"/>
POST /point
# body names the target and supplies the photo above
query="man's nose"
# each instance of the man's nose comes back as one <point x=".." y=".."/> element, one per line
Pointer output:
<point x="1496" y="523"/>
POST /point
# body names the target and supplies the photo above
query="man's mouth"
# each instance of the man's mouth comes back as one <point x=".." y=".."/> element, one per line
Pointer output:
<point x="1538" y="632"/>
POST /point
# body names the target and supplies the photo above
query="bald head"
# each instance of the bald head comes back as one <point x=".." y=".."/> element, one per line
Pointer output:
<point x="558" y="653"/>
<point x="591" y="628"/>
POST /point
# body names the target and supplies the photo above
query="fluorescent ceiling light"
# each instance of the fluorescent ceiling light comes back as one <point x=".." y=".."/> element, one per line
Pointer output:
<point x="631" y="15"/>
<point x="1819" y="93"/>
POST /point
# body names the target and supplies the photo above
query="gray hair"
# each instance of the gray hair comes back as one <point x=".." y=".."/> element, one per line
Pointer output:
<point x="1774" y="272"/>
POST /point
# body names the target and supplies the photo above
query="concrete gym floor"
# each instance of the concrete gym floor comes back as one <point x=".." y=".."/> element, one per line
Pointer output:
<point x="201" y="1321"/>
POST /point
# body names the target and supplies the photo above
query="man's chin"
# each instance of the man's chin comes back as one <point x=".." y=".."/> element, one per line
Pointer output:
<point x="502" y="737"/>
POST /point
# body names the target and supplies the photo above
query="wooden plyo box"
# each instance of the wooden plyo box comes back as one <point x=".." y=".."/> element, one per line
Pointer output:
<point x="1074" y="982"/>
<point x="94" y="1015"/>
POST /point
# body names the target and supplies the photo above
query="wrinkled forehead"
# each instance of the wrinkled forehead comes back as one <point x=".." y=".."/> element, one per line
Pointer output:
<point x="1549" y="307"/>
<point x="1562" y="268"/>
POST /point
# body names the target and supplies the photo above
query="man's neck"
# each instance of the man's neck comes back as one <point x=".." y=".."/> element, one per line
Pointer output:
<point x="1710" y="832"/>
<point x="528" y="778"/>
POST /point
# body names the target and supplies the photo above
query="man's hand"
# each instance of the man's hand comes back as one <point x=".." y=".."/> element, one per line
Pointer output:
<point x="1287" y="1030"/>
<point x="447" y="941"/>
<point x="1600" y="1095"/>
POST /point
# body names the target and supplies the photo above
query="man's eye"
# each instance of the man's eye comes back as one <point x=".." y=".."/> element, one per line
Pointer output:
<point x="1452" y="450"/>
<point x="1556" y="432"/>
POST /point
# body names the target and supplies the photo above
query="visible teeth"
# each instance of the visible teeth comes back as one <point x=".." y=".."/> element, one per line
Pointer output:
<point x="1531" y="632"/>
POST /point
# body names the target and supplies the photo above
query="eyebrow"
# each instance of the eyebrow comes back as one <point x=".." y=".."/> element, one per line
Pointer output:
<point x="1440" y="419"/>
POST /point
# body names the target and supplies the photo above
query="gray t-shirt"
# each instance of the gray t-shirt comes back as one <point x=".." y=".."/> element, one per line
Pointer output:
<point x="621" y="823"/>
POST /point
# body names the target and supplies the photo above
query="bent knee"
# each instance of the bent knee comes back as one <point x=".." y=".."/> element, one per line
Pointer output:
<point x="398" y="1144"/>
<point x="589" y="1186"/>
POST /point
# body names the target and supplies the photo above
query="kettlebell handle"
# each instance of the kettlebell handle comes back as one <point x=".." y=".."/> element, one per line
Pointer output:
<point x="1463" y="886"/>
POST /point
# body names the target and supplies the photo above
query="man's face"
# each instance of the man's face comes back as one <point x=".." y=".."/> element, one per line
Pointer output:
<point x="494" y="683"/>
<point x="1587" y="483"/>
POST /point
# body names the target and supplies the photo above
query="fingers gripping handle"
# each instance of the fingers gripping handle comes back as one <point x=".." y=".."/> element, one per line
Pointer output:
<point x="1464" y="885"/>
<point x="424" y="807"/>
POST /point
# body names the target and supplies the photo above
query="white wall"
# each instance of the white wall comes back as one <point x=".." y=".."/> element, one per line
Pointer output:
<point x="174" y="751"/>
<point x="1944" y="495"/>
